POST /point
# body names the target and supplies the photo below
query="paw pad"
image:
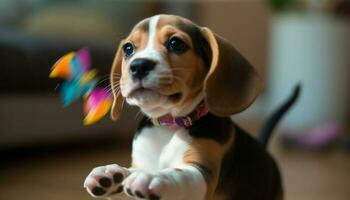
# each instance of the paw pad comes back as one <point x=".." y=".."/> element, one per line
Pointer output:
<point x="105" y="181"/>
<point x="139" y="194"/>
<point x="129" y="192"/>
<point x="154" y="197"/>
<point x="118" y="177"/>
<point x="97" y="191"/>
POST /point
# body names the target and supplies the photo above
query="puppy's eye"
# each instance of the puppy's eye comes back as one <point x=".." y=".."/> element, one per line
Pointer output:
<point x="128" y="49"/>
<point x="176" y="45"/>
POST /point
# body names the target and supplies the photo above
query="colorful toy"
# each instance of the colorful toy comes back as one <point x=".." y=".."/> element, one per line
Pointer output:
<point x="81" y="82"/>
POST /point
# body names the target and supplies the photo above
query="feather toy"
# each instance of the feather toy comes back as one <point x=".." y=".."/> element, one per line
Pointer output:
<point x="80" y="81"/>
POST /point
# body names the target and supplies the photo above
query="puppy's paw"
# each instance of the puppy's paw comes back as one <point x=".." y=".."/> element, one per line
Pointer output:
<point x="144" y="185"/>
<point x="105" y="181"/>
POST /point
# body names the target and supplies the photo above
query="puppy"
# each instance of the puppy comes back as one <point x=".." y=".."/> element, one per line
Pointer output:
<point x="187" y="81"/>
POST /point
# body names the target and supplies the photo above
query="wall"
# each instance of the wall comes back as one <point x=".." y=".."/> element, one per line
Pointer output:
<point x="244" y="23"/>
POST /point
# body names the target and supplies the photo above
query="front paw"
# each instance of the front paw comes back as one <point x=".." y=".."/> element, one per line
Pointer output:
<point x="105" y="181"/>
<point x="144" y="185"/>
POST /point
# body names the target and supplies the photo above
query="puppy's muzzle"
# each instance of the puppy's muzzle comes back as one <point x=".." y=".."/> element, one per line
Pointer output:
<point x="141" y="67"/>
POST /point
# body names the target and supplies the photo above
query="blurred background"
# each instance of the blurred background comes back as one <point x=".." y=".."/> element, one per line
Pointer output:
<point x="46" y="152"/>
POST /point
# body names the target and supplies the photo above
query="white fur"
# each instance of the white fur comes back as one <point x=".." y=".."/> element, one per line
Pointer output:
<point x="157" y="151"/>
<point x="148" y="146"/>
<point x="153" y="149"/>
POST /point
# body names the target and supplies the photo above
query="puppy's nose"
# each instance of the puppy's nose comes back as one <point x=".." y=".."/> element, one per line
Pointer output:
<point x="140" y="68"/>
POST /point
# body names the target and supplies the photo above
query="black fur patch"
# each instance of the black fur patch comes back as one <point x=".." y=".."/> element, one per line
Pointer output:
<point x="248" y="171"/>
<point x="212" y="127"/>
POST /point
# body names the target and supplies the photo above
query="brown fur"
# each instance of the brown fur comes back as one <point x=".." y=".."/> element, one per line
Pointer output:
<point x="242" y="83"/>
<point x="118" y="99"/>
<point x="207" y="155"/>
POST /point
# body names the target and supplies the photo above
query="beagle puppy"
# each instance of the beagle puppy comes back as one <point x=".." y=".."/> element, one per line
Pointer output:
<point x="187" y="81"/>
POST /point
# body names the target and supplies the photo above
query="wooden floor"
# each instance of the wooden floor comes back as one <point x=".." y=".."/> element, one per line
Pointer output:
<point x="60" y="175"/>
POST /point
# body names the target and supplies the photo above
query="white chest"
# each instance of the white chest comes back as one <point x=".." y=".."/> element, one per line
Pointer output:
<point x="156" y="148"/>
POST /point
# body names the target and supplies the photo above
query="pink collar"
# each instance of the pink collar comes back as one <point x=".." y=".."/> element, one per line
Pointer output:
<point x="185" y="122"/>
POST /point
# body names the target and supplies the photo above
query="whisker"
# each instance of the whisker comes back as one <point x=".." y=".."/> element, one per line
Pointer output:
<point x="163" y="76"/>
<point x="111" y="89"/>
<point x="106" y="75"/>
<point x="114" y="74"/>
<point x="114" y="86"/>
<point x="117" y="95"/>
<point x="117" y="77"/>
<point x="103" y="80"/>
<point x="179" y="68"/>
<point x="171" y="70"/>
<point x="179" y="80"/>
<point x="58" y="85"/>
<point x="107" y="87"/>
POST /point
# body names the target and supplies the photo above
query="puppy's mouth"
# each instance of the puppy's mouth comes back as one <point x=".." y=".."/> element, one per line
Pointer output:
<point x="141" y="91"/>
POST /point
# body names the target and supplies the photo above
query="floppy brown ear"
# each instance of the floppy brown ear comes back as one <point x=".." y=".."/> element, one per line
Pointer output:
<point x="118" y="99"/>
<point x="232" y="83"/>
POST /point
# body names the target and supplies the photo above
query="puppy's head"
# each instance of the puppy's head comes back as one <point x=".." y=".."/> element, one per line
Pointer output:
<point x="167" y="65"/>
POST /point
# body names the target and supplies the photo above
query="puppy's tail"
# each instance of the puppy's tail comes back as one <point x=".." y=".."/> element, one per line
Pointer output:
<point x="277" y="115"/>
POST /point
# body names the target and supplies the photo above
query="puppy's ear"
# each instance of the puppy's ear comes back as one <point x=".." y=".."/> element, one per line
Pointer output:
<point x="115" y="75"/>
<point x="232" y="83"/>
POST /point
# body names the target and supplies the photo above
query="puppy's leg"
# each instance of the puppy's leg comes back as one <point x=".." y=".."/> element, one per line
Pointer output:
<point x="105" y="181"/>
<point x="181" y="183"/>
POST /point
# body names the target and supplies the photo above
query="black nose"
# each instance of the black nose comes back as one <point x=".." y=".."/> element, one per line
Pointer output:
<point x="140" y="68"/>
